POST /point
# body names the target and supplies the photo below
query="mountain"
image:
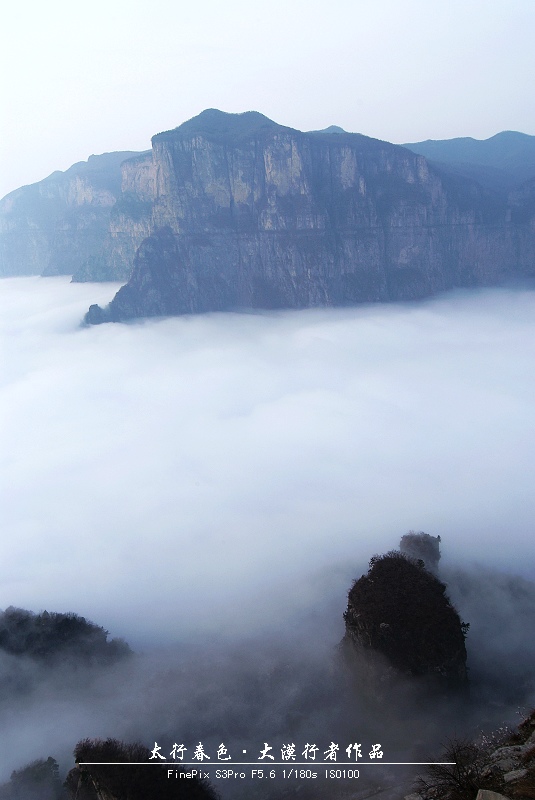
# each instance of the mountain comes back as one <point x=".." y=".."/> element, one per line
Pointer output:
<point x="235" y="211"/>
<point x="501" y="162"/>
<point x="59" y="226"/>
<point x="247" y="213"/>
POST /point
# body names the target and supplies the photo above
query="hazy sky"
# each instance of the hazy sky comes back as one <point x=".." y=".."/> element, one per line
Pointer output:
<point x="83" y="78"/>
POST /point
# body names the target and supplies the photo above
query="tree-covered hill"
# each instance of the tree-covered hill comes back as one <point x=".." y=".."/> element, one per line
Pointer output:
<point x="47" y="636"/>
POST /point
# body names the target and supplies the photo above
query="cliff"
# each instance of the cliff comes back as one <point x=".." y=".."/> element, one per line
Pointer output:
<point x="129" y="223"/>
<point x="61" y="224"/>
<point x="246" y="213"/>
<point x="236" y="211"/>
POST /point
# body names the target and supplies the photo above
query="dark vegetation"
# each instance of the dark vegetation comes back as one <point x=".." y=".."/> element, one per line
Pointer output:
<point x="221" y="126"/>
<point x="49" y="636"/>
<point x="37" y="781"/>
<point x="401" y="610"/>
<point x="461" y="779"/>
<point x="503" y="763"/>
<point x="122" y="782"/>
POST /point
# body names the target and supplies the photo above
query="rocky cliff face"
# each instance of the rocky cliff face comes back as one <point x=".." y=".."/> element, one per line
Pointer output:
<point x="235" y="211"/>
<point x="60" y="225"/>
<point x="247" y="213"/>
<point x="129" y="223"/>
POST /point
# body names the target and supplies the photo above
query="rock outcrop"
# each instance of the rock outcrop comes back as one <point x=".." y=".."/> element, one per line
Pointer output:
<point x="129" y="223"/>
<point x="247" y="213"/>
<point x="498" y="766"/>
<point x="400" y="611"/>
<point x="61" y="225"/>
<point x="422" y="546"/>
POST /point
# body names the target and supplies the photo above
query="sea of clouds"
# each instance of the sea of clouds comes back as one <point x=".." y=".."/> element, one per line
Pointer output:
<point x="219" y="477"/>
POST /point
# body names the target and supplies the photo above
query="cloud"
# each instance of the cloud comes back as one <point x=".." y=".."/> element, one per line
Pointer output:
<point x="212" y="485"/>
<point x="179" y="476"/>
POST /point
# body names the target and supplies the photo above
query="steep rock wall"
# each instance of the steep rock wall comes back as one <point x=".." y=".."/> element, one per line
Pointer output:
<point x="129" y="223"/>
<point x="247" y="213"/>
<point x="58" y="226"/>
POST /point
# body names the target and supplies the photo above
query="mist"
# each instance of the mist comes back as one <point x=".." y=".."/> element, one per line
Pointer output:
<point x="208" y="487"/>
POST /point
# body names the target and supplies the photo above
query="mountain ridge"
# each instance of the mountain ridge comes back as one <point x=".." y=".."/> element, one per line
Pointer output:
<point x="236" y="211"/>
<point x="250" y="214"/>
<point x="502" y="161"/>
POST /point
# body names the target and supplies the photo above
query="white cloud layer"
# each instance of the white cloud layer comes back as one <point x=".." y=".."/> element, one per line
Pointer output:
<point x="227" y="473"/>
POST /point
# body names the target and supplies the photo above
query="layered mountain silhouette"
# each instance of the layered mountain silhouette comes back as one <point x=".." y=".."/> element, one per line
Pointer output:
<point x="233" y="211"/>
<point x="501" y="162"/>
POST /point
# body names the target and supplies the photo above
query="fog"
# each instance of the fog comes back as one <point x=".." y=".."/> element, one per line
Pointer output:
<point x="208" y="482"/>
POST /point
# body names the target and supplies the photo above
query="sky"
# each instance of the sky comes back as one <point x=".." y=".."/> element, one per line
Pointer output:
<point x="86" y="78"/>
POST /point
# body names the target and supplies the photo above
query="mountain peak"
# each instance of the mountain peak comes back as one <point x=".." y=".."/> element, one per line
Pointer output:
<point x="214" y="122"/>
<point x="330" y="129"/>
